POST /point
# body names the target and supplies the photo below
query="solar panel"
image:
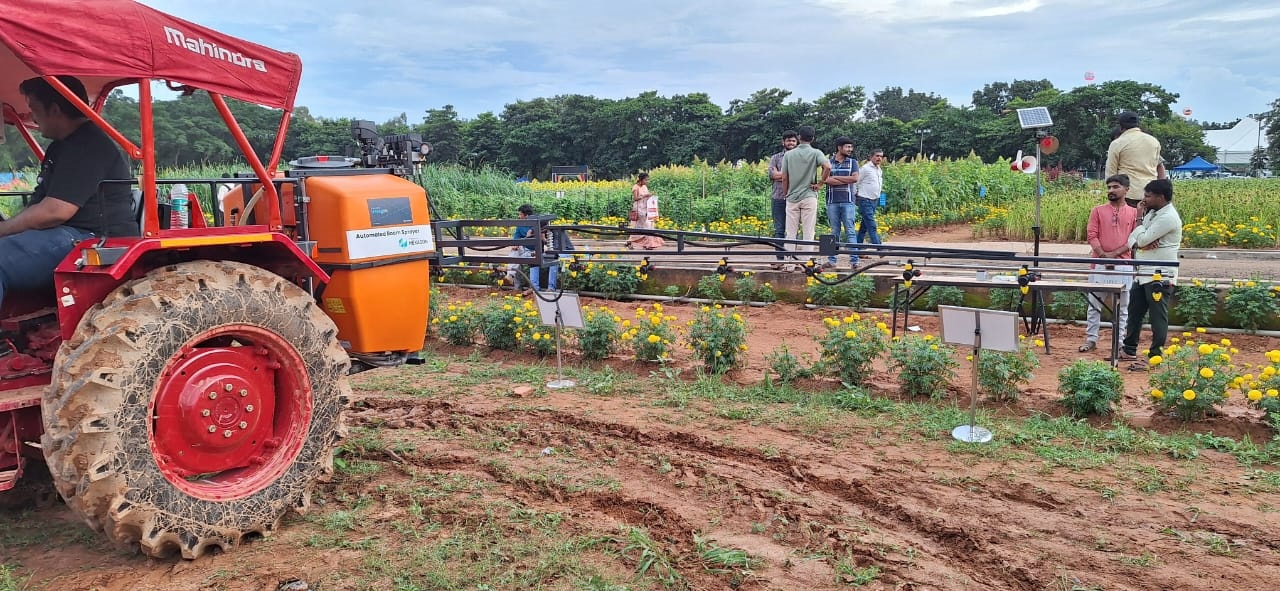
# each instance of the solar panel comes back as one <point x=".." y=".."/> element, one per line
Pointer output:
<point x="1034" y="118"/>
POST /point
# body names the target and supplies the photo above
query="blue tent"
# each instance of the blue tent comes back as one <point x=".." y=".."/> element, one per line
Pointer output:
<point x="1197" y="164"/>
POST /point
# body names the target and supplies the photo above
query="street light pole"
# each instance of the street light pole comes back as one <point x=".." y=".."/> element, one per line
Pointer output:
<point x="922" y="133"/>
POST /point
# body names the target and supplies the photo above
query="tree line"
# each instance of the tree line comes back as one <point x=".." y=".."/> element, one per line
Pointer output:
<point x="618" y="137"/>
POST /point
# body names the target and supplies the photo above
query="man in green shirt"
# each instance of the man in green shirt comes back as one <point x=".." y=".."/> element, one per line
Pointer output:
<point x="804" y="169"/>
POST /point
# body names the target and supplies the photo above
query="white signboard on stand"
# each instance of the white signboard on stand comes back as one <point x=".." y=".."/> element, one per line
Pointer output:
<point x="999" y="328"/>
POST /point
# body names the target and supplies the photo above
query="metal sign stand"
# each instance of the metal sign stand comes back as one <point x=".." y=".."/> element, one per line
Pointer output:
<point x="963" y="326"/>
<point x="554" y="313"/>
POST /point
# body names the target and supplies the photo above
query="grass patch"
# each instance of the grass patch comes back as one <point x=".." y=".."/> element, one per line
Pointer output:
<point x="10" y="580"/>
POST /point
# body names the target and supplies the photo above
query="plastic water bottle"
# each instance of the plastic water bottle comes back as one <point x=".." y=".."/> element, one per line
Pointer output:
<point x="179" y="202"/>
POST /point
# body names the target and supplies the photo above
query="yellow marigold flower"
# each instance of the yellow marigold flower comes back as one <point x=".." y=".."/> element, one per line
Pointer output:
<point x="968" y="357"/>
<point x="626" y="324"/>
<point x="452" y="307"/>
<point x="653" y="338"/>
<point x="1268" y="371"/>
<point x="1189" y="394"/>
<point x="453" y="319"/>
<point x="1224" y="357"/>
<point x="519" y="319"/>
<point x="742" y="347"/>
<point x="1039" y="342"/>
<point x="1272" y="392"/>
<point x="1255" y="395"/>
<point x="928" y="337"/>
<point x="849" y="334"/>
<point x="1175" y="340"/>
<point x="655" y="320"/>
<point x="856" y="316"/>
<point x="1226" y="342"/>
<point x="1206" y="372"/>
<point x="1157" y="393"/>
<point x="718" y="354"/>
<point x="737" y="317"/>
<point x="1200" y="330"/>
<point x="1205" y="349"/>
<point x="506" y="307"/>
<point x="848" y="319"/>
<point x="1157" y="360"/>
<point x="933" y="347"/>
<point x="881" y="325"/>
<point x="537" y="336"/>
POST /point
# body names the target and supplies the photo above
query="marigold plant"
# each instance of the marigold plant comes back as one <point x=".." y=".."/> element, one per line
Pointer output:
<point x="1262" y="388"/>
<point x="497" y="321"/>
<point x="1001" y="374"/>
<point x="849" y="347"/>
<point x="1090" y="387"/>
<point x="1251" y="304"/>
<point x="456" y="324"/>
<point x="1196" y="303"/>
<point x="1192" y="378"/>
<point x="651" y="334"/>
<point x="924" y="365"/>
<point x="718" y="337"/>
<point x="598" y="337"/>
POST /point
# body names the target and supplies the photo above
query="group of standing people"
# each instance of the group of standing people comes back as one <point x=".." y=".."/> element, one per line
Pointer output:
<point x="800" y="171"/>
<point x="1131" y="230"/>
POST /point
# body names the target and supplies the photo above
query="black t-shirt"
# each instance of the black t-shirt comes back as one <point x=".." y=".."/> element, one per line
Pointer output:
<point x="71" y="171"/>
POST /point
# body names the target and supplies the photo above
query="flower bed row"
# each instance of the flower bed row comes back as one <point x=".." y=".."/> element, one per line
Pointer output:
<point x="1191" y="380"/>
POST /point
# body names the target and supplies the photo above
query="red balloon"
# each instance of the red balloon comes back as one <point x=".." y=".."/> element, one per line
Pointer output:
<point x="1186" y="112"/>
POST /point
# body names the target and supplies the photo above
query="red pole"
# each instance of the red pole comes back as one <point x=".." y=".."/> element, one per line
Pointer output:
<point x="151" y="225"/>
<point x="269" y="188"/>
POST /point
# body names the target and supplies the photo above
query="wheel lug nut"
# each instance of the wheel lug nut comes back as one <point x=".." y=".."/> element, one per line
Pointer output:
<point x="213" y="396"/>
<point x="205" y="413"/>
<point x="227" y="433"/>
<point x="212" y="429"/>
<point x="248" y="408"/>
<point x="244" y="392"/>
<point x="228" y="387"/>
<point x="244" y="425"/>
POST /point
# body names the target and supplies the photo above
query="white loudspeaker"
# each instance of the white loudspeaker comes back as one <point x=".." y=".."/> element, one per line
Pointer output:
<point x="1028" y="164"/>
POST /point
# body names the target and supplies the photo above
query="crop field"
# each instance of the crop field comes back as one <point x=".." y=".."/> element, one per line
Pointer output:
<point x="776" y="469"/>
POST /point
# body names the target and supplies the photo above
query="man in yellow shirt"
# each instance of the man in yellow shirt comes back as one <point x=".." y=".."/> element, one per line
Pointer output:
<point x="1134" y="153"/>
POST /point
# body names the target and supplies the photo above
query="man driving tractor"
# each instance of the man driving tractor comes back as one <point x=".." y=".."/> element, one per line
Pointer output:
<point x="67" y="205"/>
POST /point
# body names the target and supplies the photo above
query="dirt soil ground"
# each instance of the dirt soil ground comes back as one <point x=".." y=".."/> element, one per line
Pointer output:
<point x="453" y="478"/>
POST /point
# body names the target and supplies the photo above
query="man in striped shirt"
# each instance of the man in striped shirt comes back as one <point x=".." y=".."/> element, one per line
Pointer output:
<point x="841" y="209"/>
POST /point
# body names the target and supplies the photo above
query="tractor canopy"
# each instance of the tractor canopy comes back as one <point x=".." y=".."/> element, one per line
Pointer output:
<point x="108" y="43"/>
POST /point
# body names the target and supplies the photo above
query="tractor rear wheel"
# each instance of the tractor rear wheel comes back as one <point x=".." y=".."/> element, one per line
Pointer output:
<point x="195" y="407"/>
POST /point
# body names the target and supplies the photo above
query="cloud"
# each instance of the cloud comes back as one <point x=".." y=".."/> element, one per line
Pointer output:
<point x="411" y="55"/>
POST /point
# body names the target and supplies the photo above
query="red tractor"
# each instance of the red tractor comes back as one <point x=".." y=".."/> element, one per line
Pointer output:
<point x="186" y="387"/>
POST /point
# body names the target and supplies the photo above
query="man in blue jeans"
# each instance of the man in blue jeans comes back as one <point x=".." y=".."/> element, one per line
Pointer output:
<point x="870" y="185"/>
<point x="840" y="206"/>
<point x="67" y="205"/>
<point x="779" y="199"/>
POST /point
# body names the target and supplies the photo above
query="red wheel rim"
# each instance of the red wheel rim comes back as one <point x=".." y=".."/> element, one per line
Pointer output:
<point x="230" y="412"/>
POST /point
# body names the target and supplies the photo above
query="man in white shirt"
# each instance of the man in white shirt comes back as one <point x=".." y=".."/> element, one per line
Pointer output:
<point x="1156" y="238"/>
<point x="870" y="185"/>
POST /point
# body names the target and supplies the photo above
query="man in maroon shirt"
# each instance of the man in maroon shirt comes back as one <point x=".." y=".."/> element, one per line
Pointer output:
<point x="1109" y="227"/>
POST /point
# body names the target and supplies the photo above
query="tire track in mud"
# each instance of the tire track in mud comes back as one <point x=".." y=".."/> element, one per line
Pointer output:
<point x="750" y="474"/>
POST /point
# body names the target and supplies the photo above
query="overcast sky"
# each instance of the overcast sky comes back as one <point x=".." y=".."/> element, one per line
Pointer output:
<point x="378" y="59"/>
